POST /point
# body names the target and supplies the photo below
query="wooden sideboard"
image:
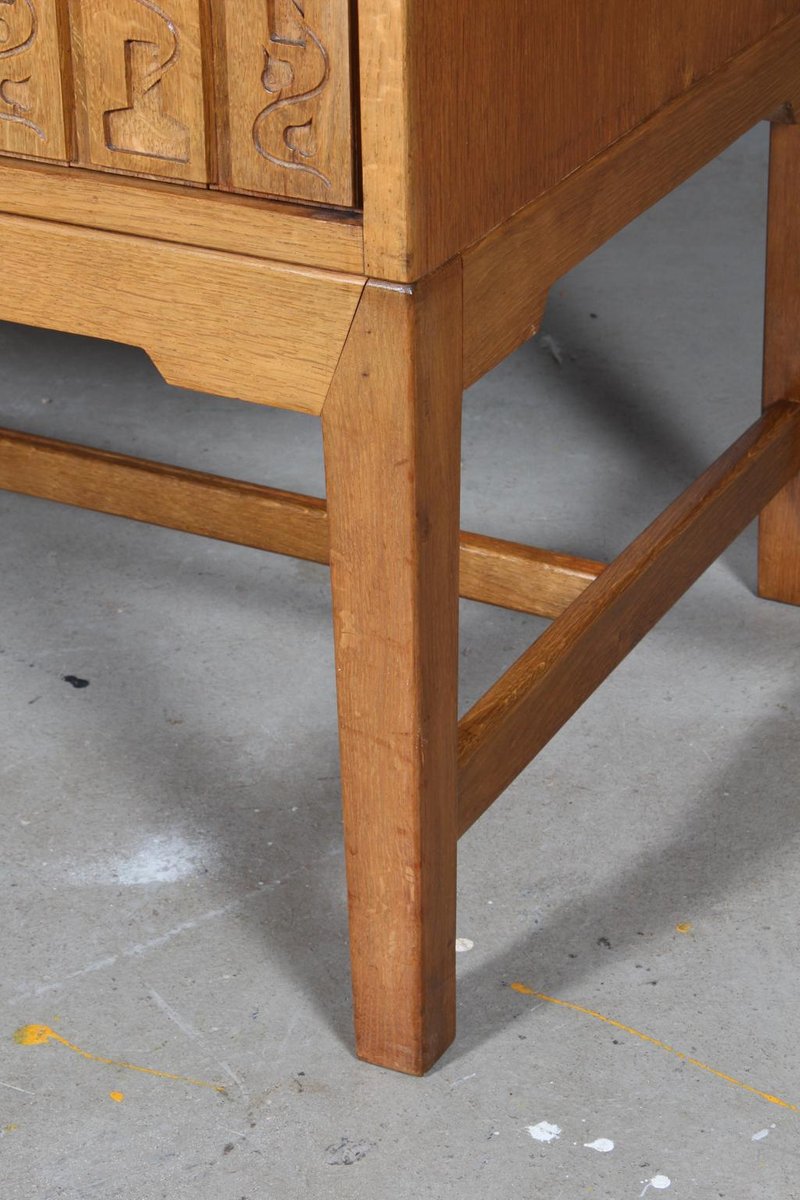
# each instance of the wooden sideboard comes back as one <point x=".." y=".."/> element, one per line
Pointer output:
<point x="239" y="95"/>
<point x="437" y="121"/>
<point x="356" y="208"/>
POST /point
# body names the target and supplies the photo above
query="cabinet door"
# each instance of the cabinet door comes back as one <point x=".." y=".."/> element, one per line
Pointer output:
<point x="284" y="109"/>
<point x="140" y="88"/>
<point x="31" y="99"/>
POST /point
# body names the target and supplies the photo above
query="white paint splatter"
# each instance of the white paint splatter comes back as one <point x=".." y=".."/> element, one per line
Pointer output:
<point x="762" y="1133"/>
<point x="602" y="1145"/>
<point x="659" y="1182"/>
<point x="161" y="860"/>
<point x="165" y="858"/>
<point x="463" y="945"/>
<point x="544" y="1132"/>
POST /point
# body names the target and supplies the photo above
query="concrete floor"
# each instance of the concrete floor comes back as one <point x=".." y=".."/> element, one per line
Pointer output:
<point x="172" y="868"/>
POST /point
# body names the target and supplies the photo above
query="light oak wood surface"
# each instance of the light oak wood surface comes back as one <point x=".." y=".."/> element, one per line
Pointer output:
<point x="491" y="570"/>
<point x="524" y="578"/>
<point x="517" y="717"/>
<point x="779" y="532"/>
<point x="226" y="324"/>
<point x="494" y="145"/>
<point x="507" y="276"/>
<point x="391" y="428"/>
<point x="160" y="494"/>
<point x="141" y="86"/>
<point x="284" y="98"/>
<point x="263" y="229"/>
<point x="33" y="116"/>
<point x="470" y="111"/>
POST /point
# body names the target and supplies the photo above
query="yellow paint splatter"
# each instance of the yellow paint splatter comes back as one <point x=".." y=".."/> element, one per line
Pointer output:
<point x="40" y="1035"/>
<point x="645" y="1037"/>
<point x="33" y="1035"/>
<point x="684" y="927"/>
<point x="117" y="1097"/>
<point x="10" y="1128"/>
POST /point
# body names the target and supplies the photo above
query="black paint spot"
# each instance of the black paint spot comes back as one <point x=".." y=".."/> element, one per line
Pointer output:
<point x="75" y="681"/>
<point x="227" y="1148"/>
<point x="603" y="941"/>
<point x="593" y="316"/>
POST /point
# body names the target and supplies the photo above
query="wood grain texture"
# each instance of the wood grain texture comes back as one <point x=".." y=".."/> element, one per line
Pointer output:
<point x="157" y="494"/>
<point x="389" y="118"/>
<point x="32" y="112"/>
<point x="141" y="94"/>
<point x="248" y="514"/>
<point x="779" y="531"/>
<point x="520" y="577"/>
<point x="259" y="228"/>
<point x="226" y="324"/>
<point x="508" y="274"/>
<point x="284" y="98"/>
<point x="517" y="717"/>
<point x="392" y="429"/>
<point x="472" y="110"/>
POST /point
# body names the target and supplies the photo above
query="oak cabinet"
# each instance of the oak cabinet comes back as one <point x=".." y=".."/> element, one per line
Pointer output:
<point x="141" y="89"/>
<point x="250" y="96"/>
<point x="33" y="103"/>
<point x="354" y="209"/>
<point x="284" y="98"/>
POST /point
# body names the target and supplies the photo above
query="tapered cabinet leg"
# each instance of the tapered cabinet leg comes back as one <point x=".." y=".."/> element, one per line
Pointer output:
<point x="391" y="429"/>
<point x="779" y="553"/>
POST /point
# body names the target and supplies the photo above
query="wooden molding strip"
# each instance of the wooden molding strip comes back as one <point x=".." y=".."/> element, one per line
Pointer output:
<point x="493" y="571"/>
<point x="518" y="716"/>
<point x="272" y="229"/>
<point x="508" y="274"/>
<point x="223" y="323"/>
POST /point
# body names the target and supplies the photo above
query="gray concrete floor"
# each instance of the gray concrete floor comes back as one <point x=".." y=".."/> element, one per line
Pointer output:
<point x="172" y="868"/>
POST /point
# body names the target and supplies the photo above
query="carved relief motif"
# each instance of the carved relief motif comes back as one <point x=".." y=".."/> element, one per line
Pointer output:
<point x="18" y="31"/>
<point x="284" y="132"/>
<point x="144" y="127"/>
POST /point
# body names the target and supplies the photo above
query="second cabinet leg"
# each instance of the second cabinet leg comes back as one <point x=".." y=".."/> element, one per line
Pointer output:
<point x="392" y="429"/>
<point x="779" y="553"/>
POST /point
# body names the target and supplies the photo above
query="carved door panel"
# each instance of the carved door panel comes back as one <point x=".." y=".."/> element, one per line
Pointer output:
<point x="140" y="87"/>
<point x="31" y="98"/>
<point x="285" y="98"/>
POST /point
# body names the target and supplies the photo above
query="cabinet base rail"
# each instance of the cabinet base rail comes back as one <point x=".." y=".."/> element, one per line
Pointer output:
<point x="599" y="613"/>
<point x="506" y="574"/>
<point x="527" y="706"/>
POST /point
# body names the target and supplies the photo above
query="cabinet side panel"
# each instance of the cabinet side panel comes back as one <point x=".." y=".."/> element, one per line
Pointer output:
<point x="498" y="102"/>
<point x="31" y="93"/>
